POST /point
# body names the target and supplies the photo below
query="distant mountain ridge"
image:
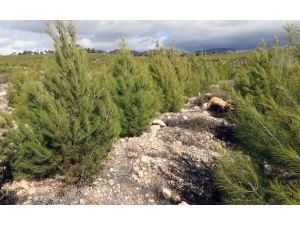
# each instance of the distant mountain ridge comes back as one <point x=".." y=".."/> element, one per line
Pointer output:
<point x="183" y="52"/>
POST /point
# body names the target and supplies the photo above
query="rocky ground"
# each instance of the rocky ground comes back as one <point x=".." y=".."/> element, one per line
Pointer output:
<point x="171" y="163"/>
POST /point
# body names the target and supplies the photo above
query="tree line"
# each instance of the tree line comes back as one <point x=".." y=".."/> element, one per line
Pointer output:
<point x="38" y="52"/>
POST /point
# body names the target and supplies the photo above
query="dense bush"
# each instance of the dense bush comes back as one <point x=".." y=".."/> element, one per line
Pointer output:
<point x="71" y="121"/>
<point x="133" y="93"/>
<point x="19" y="84"/>
<point x="166" y="80"/>
<point x="266" y="167"/>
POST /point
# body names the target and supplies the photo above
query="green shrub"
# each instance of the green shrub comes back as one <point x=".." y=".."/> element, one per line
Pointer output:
<point x="267" y="126"/>
<point x="133" y="93"/>
<point x="71" y="121"/>
<point x="166" y="80"/>
<point x="19" y="84"/>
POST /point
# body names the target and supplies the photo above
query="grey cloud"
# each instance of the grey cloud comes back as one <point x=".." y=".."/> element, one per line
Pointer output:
<point x="142" y="34"/>
<point x="113" y="30"/>
<point x="231" y="34"/>
<point x="35" y="26"/>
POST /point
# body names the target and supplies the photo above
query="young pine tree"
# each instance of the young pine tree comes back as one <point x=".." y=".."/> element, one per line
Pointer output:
<point x="267" y="124"/>
<point x="187" y="77"/>
<point x="166" y="80"/>
<point x="193" y="69"/>
<point x="133" y="93"/>
<point x="71" y="119"/>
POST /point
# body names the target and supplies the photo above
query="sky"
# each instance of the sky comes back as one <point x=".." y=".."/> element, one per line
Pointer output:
<point x="102" y="28"/>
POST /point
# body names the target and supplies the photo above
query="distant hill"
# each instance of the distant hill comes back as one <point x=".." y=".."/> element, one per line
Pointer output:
<point x="183" y="52"/>
<point x="218" y="51"/>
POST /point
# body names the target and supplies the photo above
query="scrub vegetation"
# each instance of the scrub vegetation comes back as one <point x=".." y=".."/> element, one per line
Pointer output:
<point x="72" y="106"/>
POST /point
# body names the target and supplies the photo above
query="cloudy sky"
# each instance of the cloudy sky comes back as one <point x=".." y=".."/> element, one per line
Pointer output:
<point x="27" y="33"/>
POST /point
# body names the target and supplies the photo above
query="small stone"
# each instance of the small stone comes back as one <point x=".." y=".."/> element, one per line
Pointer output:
<point x="204" y="106"/>
<point x="185" y="118"/>
<point x="135" y="177"/>
<point x="111" y="182"/>
<point x="178" y="143"/>
<point x="164" y="168"/>
<point x="154" y="147"/>
<point x="154" y="129"/>
<point x="166" y="193"/>
<point x="151" y="200"/>
<point x="147" y="159"/>
<point x="24" y="184"/>
<point x="205" y="113"/>
<point x="148" y="181"/>
<point x="159" y="122"/>
<point x="81" y="201"/>
<point x="183" y="203"/>
<point x="144" y="135"/>
<point x="111" y="170"/>
<point x="132" y="154"/>
<point x="136" y="169"/>
<point x="21" y="192"/>
<point x="31" y="190"/>
<point x="176" y="198"/>
<point x="141" y="174"/>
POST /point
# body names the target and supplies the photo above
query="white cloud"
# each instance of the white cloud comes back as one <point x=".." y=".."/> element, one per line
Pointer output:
<point x="142" y="34"/>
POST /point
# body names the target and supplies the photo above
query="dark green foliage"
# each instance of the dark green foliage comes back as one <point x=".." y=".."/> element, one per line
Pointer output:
<point x="71" y="121"/>
<point x="187" y="76"/>
<point x="20" y="82"/>
<point x="133" y="93"/>
<point x="238" y="177"/>
<point x="204" y="73"/>
<point x="166" y="80"/>
<point x="267" y="126"/>
<point x="193" y="83"/>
